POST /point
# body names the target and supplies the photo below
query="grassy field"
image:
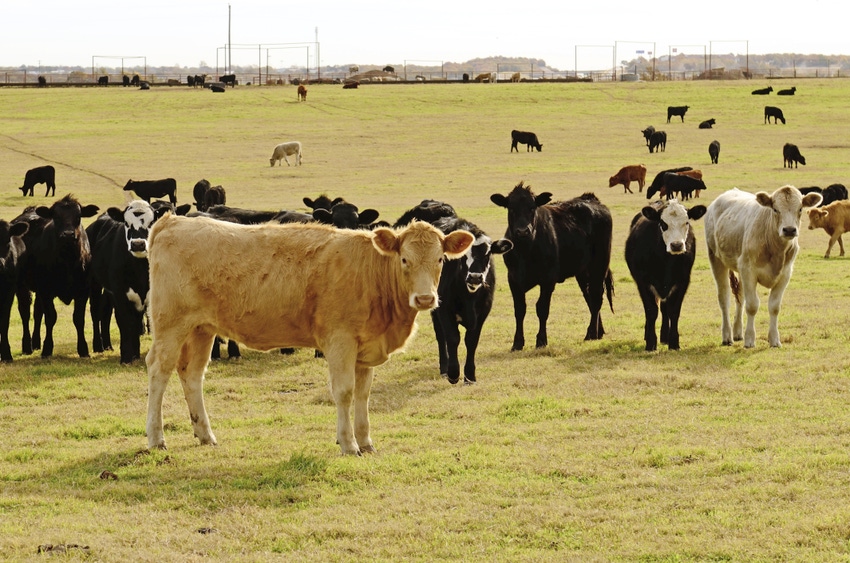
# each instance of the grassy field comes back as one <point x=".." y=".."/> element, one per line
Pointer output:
<point x="584" y="451"/>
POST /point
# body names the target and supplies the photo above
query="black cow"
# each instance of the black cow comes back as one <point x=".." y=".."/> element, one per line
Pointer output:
<point x="135" y="80"/>
<point x="465" y="291"/>
<point x="39" y="175"/>
<point x="660" y="252"/>
<point x="390" y="69"/>
<point x="677" y="110"/>
<point x="833" y="192"/>
<point x="103" y="81"/>
<point x="791" y="154"/>
<point x="125" y="81"/>
<point x="526" y="138"/>
<point x="12" y="250"/>
<point x="775" y="113"/>
<point x="658" y="141"/>
<point x="658" y="181"/>
<point x="788" y="92"/>
<point x="147" y="189"/>
<point x="228" y="79"/>
<point x="429" y="210"/>
<point x="763" y="91"/>
<point x="119" y="276"/>
<point x="344" y="215"/>
<point x="42" y="82"/>
<point x="714" y="151"/>
<point x="350" y="85"/>
<point x="190" y="80"/>
<point x="214" y="196"/>
<point x="239" y="215"/>
<point x="647" y="133"/>
<point x="707" y="124"/>
<point x="58" y="258"/>
<point x="198" y="80"/>
<point x="322" y="202"/>
<point x="198" y="192"/>
<point x="553" y="242"/>
<point x="680" y="184"/>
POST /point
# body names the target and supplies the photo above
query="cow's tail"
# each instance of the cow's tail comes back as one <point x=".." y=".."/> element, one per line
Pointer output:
<point x="735" y="284"/>
<point x="609" y="289"/>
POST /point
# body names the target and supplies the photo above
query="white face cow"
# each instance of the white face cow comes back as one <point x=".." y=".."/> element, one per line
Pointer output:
<point x="787" y="204"/>
<point x="478" y="260"/>
<point x="674" y="221"/>
<point x="137" y="218"/>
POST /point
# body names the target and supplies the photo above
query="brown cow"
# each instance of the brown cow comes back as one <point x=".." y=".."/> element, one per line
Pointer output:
<point x="834" y="219"/>
<point x="302" y="93"/>
<point x="352" y="294"/>
<point x="627" y="175"/>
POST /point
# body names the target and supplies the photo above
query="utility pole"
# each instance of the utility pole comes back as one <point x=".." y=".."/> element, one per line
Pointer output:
<point x="229" y="61"/>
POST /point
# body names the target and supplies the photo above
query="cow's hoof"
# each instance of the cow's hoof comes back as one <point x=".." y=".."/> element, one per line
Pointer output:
<point x="370" y="449"/>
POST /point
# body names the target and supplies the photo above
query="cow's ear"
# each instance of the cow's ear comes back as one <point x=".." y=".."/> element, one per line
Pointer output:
<point x="696" y="212"/>
<point x="44" y="212"/>
<point x="368" y="216"/>
<point x="501" y="246"/>
<point x="323" y="216"/>
<point x="115" y="214"/>
<point x="543" y="199"/>
<point x="499" y="200"/>
<point x="812" y="200"/>
<point x="457" y="243"/>
<point x="651" y="213"/>
<point x="386" y="241"/>
<point x="183" y="209"/>
<point x="18" y="229"/>
<point x="89" y="211"/>
<point x="309" y="202"/>
<point x="337" y="200"/>
<point x="764" y="199"/>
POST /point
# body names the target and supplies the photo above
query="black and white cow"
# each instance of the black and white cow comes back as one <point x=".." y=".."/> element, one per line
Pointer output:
<point x="39" y="175"/>
<point x="148" y="189"/>
<point x="119" y="275"/>
<point x="12" y="249"/>
<point x="660" y="252"/>
<point x="58" y="259"/>
<point x="465" y="291"/>
<point x="553" y="242"/>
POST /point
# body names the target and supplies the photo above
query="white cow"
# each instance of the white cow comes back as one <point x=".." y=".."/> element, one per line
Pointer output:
<point x="755" y="236"/>
<point x="286" y="149"/>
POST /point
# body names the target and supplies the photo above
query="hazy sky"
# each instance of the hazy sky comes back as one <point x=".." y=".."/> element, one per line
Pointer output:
<point x="186" y="32"/>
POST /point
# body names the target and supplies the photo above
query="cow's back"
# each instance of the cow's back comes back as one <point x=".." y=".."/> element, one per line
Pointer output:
<point x="583" y="228"/>
<point x="730" y="219"/>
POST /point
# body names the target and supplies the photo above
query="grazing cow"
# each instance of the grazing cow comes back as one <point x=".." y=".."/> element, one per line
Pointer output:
<point x="791" y="155"/>
<point x="198" y="192"/>
<point x="757" y="237"/>
<point x="214" y="196"/>
<point x="763" y="91"/>
<point x="40" y="175"/>
<point x="658" y="141"/>
<point x="834" y="219"/>
<point x="353" y="294"/>
<point x="465" y="291"/>
<point x="677" y="110"/>
<point x="228" y="79"/>
<point x="660" y="252"/>
<point x="658" y="182"/>
<point x="775" y="113"/>
<point x="484" y="77"/>
<point x="135" y="80"/>
<point x="283" y="150"/>
<point x="515" y="77"/>
<point x="344" y="215"/>
<point x="58" y="258"/>
<point x="148" y="189"/>
<point x="707" y="124"/>
<point x="12" y="249"/>
<point x="833" y="192"/>
<point x="682" y="184"/>
<point x="302" y="93"/>
<point x="553" y="242"/>
<point x="119" y="275"/>
<point x="788" y="92"/>
<point x="103" y="81"/>
<point x="627" y="175"/>
<point x="526" y="138"/>
<point x="647" y="133"/>
<point x="714" y="151"/>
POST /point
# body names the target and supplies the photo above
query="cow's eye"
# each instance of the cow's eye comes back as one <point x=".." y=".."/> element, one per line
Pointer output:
<point x="404" y="261"/>
<point x="663" y="225"/>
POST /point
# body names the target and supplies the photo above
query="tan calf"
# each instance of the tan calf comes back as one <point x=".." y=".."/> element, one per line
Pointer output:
<point x="834" y="219"/>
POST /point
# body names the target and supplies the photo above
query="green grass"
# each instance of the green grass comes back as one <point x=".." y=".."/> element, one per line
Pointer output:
<point x="584" y="451"/>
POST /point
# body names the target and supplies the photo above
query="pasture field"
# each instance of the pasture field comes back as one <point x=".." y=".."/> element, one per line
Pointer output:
<point x="583" y="451"/>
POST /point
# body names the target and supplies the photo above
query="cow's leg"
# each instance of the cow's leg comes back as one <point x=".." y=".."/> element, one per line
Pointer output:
<point x="161" y="360"/>
<point x="5" y="314"/>
<point x="287" y="160"/>
<point x="774" y="303"/>
<point x="749" y="287"/>
<point x="49" y="311"/>
<point x="593" y="288"/>
<point x="671" y="311"/>
<point x="471" y="339"/>
<point x="194" y="357"/>
<point x="95" y="306"/>
<point x="841" y="244"/>
<point x="24" y="306"/>
<point x="105" y="320"/>
<point x="129" y="322"/>
<point x="627" y="188"/>
<point x="451" y="341"/>
<point x="37" y="317"/>
<point x="832" y="240"/>
<point x="362" y="387"/>
<point x="650" y="311"/>
<point x="341" y="352"/>
<point x="233" y="352"/>
<point x="724" y="293"/>
<point x="439" y="334"/>
<point x="518" y="296"/>
<point x="544" y="302"/>
<point x="79" y="317"/>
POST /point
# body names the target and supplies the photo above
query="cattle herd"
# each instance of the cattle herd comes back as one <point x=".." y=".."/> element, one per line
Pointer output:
<point x="354" y="285"/>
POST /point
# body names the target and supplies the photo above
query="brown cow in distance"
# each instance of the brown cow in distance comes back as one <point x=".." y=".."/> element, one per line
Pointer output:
<point x="353" y="294"/>
<point x="627" y="175"/>
<point x="833" y="218"/>
<point x="302" y="93"/>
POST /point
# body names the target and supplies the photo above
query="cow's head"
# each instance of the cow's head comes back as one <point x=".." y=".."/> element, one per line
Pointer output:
<point x="66" y="215"/>
<point x="479" y="260"/>
<point x="674" y="221"/>
<point x="522" y="206"/>
<point x="9" y="247"/>
<point x="420" y="250"/>
<point x="137" y="218"/>
<point x="817" y="218"/>
<point x="787" y="204"/>
<point x="322" y="202"/>
<point x="346" y="216"/>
